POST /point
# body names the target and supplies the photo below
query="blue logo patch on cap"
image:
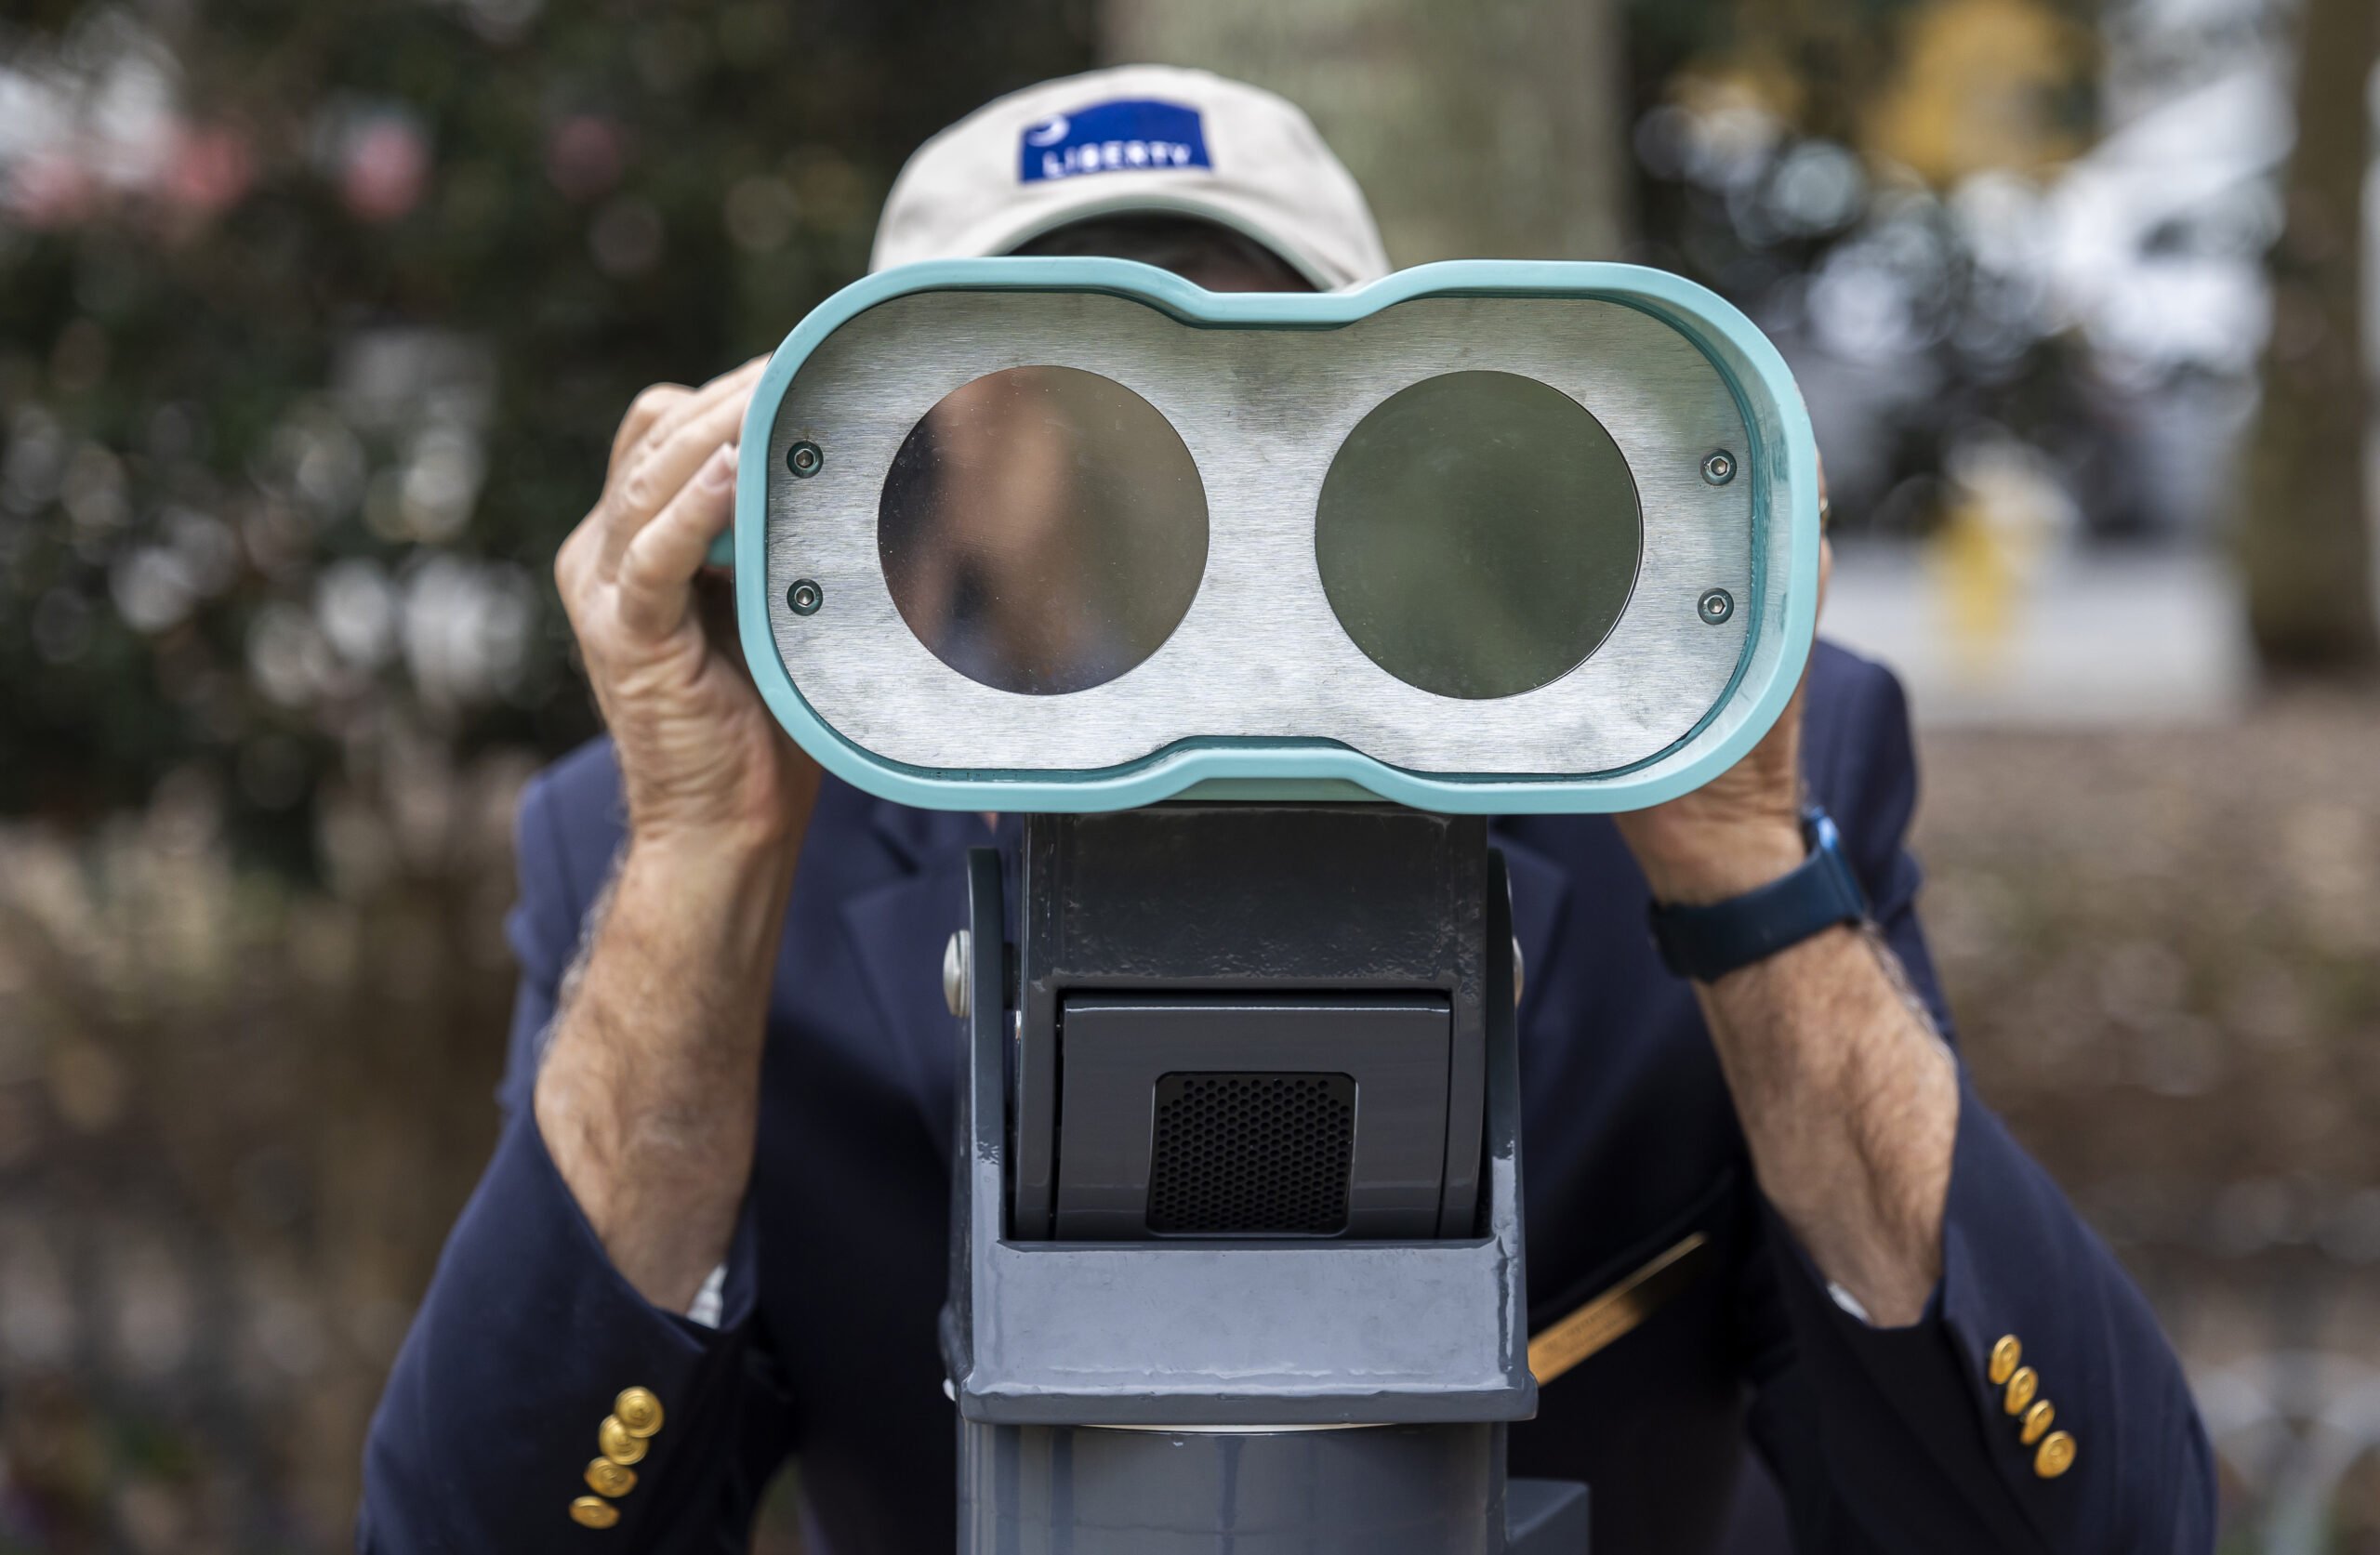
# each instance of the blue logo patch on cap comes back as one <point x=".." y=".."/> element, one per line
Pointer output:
<point x="1128" y="136"/>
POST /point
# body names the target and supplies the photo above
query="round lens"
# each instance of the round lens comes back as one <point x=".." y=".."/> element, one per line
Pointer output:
<point x="1478" y="534"/>
<point x="1042" y="530"/>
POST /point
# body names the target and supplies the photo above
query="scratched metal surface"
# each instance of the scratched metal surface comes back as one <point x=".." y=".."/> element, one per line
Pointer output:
<point x="1260" y="653"/>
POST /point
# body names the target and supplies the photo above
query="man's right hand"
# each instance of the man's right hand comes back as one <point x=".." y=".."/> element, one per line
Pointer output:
<point x="647" y="1096"/>
<point x="699" y="756"/>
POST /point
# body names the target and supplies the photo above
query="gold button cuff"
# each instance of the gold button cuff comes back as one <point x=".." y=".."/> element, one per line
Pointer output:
<point x="606" y="1478"/>
<point x="2004" y="1356"/>
<point x="2037" y="1421"/>
<point x="639" y="1410"/>
<point x="2055" y="1456"/>
<point x="2022" y="1386"/>
<point x="613" y="1441"/>
<point x="589" y="1511"/>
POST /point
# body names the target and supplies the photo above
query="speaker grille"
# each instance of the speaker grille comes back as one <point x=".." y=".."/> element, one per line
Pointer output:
<point x="1254" y="1154"/>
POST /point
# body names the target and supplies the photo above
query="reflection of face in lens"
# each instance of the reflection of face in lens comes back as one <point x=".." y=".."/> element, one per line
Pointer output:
<point x="1478" y="534"/>
<point x="1042" y="530"/>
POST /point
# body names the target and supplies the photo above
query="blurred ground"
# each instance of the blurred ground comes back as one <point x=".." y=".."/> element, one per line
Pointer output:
<point x="235" y="1119"/>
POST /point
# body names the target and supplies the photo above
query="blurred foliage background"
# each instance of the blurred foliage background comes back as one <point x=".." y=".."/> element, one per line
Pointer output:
<point x="315" y="322"/>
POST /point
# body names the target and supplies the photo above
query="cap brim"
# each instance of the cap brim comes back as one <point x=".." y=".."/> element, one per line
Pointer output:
<point x="1003" y="237"/>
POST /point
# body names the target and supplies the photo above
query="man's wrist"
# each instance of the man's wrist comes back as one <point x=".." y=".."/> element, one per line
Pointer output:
<point x="1697" y="865"/>
<point x="743" y="819"/>
<point x="710" y="856"/>
<point x="711" y="903"/>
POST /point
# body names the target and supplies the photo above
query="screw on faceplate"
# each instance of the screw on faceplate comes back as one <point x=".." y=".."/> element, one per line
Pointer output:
<point x="804" y="596"/>
<point x="1719" y="468"/>
<point x="1715" y="606"/>
<point x="804" y="459"/>
<point x="959" y="974"/>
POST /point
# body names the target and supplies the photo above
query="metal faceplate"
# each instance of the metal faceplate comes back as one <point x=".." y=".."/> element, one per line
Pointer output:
<point x="1260" y="653"/>
<point x="1251" y="688"/>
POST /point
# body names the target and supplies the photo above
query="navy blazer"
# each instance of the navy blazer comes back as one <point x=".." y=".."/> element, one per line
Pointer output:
<point x="1880" y="1440"/>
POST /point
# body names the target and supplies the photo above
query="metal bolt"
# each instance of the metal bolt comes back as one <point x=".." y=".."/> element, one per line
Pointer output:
<point x="804" y="596"/>
<point x="958" y="972"/>
<point x="1719" y="468"/>
<point x="804" y="459"/>
<point x="1715" y="606"/>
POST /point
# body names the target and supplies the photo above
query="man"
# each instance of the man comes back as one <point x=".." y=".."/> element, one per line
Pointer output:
<point x="713" y="1232"/>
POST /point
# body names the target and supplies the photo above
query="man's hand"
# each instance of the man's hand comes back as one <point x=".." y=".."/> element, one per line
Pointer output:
<point x="647" y="1097"/>
<point x="1849" y="1097"/>
<point x="1740" y="830"/>
<point x="700" y="757"/>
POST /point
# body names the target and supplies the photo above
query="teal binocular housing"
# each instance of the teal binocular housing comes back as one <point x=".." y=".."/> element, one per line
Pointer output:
<point x="1073" y="534"/>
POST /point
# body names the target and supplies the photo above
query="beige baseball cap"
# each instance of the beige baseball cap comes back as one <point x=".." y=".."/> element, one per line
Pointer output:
<point x="1132" y="140"/>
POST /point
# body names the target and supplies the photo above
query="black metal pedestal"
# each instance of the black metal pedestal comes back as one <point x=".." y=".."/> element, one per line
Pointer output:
<point x="1218" y="1371"/>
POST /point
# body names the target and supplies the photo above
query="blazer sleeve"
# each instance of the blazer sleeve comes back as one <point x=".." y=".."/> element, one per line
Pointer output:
<point x="1891" y="1439"/>
<point x="488" y="1426"/>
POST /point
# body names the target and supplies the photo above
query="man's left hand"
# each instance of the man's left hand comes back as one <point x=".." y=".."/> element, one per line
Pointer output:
<point x="1740" y="830"/>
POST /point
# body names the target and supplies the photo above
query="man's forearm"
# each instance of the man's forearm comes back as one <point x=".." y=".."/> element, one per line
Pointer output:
<point x="1850" y="1102"/>
<point x="648" y="1093"/>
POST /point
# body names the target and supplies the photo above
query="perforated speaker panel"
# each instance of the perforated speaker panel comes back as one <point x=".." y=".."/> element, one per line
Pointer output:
<point x="1252" y="1153"/>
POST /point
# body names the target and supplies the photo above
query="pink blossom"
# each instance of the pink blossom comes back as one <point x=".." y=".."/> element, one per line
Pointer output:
<point x="583" y="156"/>
<point x="51" y="189"/>
<point x="385" y="170"/>
<point x="209" y="170"/>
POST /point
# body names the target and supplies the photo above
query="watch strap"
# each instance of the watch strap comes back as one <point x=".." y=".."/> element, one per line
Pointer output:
<point x="1706" y="942"/>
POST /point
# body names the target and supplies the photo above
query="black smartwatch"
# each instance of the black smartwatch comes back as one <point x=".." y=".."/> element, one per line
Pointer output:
<point x="1707" y="943"/>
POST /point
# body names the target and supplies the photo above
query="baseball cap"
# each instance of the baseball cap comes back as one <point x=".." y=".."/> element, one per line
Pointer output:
<point x="1134" y="139"/>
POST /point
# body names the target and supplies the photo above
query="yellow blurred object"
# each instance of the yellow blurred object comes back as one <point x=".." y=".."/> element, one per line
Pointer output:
<point x="1753" y="79"/>
<point x="1980" y="88"/>
<point x="1977" y="573"/>
<point x="2004" y="514"/>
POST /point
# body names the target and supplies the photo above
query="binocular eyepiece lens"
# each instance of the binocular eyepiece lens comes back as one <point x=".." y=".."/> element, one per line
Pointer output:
<point x="1042" y="530"/>
<point x="1479" y="535"/>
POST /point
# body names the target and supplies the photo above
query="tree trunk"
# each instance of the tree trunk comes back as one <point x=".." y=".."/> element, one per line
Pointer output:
<point x="2305" y="535"/>
<point x="1477" y="129"/>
